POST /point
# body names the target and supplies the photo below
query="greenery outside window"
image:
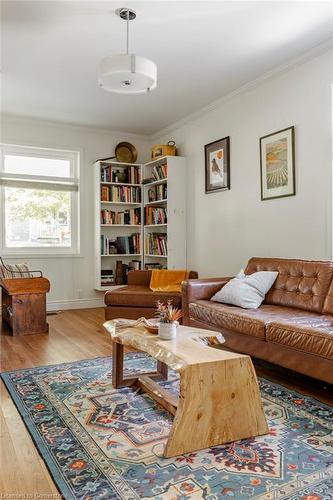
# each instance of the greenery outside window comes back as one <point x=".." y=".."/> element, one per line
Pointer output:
<point x="39" y="201"/>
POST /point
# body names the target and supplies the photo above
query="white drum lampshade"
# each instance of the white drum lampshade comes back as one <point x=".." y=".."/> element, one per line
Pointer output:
<point x="127" y="74"/>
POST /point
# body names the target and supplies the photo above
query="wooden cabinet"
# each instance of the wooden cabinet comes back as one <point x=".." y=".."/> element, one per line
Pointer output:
<point x="24" y="305"/>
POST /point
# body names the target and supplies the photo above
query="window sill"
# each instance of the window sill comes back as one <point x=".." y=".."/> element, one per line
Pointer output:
<point x="42" y="256"/>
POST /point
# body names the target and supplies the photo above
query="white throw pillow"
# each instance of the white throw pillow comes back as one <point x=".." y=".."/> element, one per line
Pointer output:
<point x="246" y="291"/>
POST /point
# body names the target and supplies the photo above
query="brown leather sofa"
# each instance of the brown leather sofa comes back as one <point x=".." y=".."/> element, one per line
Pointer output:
<point x="136" y="299"/>
<point x="293" y="328"/>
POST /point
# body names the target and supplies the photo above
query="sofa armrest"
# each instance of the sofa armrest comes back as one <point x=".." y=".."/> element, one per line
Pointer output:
<point x="141" y="278"/>
<point x="201" y="289"/>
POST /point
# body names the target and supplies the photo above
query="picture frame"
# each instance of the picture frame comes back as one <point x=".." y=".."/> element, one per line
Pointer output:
<point x="277" y="164"/>
<point x="217" y="165"/>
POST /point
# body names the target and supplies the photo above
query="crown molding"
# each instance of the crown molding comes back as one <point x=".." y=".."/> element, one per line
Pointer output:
<point x="74" y="126"/>
<point x="316" y="51"/>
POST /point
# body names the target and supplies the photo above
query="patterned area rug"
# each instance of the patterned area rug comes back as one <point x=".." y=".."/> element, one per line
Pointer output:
<point x="101" y="443"/>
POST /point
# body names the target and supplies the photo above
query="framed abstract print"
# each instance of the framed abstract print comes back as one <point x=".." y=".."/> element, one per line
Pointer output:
<point x="277" y="164"/>
<point x="217" y="165"/>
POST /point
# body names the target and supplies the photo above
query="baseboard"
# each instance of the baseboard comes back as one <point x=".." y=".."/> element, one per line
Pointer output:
<point x="61" y="305"/>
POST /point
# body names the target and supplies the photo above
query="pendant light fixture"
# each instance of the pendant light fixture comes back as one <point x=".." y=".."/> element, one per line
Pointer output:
<point x="127" y="73"/>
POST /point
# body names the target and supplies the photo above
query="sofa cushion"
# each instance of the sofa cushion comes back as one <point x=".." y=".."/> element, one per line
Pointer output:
<point x="248" y="321"/>
<point x="139" y="296"/>
<point x="300" y="284"/>
<point x="246" y="291"/>
<point x="311" y="335"/>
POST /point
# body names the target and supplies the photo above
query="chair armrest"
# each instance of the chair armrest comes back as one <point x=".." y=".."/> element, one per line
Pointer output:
<point x="202" y="289"/>
<point x="22" y="286"/>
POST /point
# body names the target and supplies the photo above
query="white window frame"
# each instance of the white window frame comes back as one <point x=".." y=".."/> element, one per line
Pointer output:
<point x="71" y="184"/>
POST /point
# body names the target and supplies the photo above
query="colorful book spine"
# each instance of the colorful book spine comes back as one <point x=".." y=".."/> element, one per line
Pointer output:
<point x="127" y="217"/>
<point x="156" y="244"/>
<point x="155" y="215"/>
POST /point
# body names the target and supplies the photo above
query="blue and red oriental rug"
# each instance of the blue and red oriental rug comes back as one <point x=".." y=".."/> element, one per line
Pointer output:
<point x="102" y="443"/>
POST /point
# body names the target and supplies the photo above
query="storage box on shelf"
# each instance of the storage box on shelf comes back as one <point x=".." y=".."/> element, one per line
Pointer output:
<point x="140" y="217"/>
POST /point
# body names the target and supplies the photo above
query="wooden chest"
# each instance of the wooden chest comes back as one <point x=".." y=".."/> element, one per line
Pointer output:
<point x="24" y="305"/>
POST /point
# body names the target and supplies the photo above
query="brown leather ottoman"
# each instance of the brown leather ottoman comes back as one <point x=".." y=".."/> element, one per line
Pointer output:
<point x="137" y="299"/>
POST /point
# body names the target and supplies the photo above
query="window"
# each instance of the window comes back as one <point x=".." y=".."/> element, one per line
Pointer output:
<point x="39" y="200"/>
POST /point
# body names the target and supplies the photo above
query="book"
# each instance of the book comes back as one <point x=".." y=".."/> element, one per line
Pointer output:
<point x="155" y="215"/>
<point x="120" y="174"/>
<point x="159" y="192"/>
<point x="130" y="216"/>
<point x="124" y="194"/>
<point x="156" y="244"/>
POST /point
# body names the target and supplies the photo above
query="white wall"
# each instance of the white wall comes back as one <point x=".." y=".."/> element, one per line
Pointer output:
<point x="226" y="228"/>
<point x="223" y="229"/>
<point x="72" y="278"/>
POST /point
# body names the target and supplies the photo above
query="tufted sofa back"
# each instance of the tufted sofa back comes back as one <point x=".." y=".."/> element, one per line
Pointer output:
<point x="328" y="304"/>
<point x="303" y="284"/>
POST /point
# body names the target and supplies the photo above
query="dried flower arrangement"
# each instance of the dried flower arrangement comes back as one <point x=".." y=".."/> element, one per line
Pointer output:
<point x="167" y="313"/>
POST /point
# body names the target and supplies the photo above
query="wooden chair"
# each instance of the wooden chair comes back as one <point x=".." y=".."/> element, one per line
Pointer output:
<point x="24" y="300"/>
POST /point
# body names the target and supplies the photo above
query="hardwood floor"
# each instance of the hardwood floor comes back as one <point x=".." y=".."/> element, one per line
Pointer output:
<point x="74" y="335"/>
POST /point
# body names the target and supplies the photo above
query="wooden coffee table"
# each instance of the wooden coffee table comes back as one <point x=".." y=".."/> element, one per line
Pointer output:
<point x="219" y="399"/>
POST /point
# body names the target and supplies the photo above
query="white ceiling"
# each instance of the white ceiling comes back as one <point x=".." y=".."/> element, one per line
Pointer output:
<point x="203" y="50"/>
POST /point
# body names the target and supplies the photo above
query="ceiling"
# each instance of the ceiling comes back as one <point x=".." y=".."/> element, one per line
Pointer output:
<point x="203" y="50"/>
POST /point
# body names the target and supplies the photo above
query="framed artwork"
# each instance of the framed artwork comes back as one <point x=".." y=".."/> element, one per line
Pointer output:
<point x="217" y="165"/>
<point x="277" y="164"/>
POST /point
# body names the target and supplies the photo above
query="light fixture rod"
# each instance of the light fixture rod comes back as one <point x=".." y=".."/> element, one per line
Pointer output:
<point x="127" y="32"/>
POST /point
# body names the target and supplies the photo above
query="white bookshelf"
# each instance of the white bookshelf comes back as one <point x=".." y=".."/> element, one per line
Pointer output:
<point x="174" y="228"/>
<point x="107" y="261"/>
<point x="174" y="204"/>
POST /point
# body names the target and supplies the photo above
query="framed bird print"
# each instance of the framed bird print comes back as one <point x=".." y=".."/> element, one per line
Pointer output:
<point x="217" y="165"/>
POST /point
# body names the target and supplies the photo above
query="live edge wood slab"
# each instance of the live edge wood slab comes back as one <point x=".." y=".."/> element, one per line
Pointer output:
<point x="219" y="400"/>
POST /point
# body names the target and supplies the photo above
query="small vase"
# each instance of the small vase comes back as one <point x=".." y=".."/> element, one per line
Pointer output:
<point x="167" y="331"/>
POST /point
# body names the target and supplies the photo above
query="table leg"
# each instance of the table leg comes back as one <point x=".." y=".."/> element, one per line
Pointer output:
<point x="219" y="403"/>
<point x="162" y="371"/>
<point x="118" y="379"/>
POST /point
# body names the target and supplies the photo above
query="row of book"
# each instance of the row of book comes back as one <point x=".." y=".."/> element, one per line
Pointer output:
<point x="159" y="192"/>
<point x="132" y="216"/>
<point x="121" y="245"/>
<point x="128" y="175"/>
<point x="155" y="215"/>
<point x="156" y="244"/>
<point x="126" y="194"/>
<point x="160" y="172"/>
